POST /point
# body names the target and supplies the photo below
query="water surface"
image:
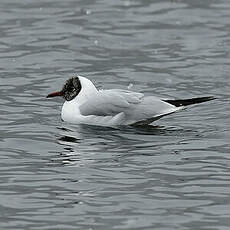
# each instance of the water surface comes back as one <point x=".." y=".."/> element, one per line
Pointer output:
<point x="174" y="175"/>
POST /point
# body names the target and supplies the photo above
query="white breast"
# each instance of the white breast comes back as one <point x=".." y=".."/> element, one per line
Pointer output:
<point x="70" y="112"/>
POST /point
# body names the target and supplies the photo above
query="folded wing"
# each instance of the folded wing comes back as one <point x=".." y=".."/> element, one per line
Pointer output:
<point x="110" y="102"/>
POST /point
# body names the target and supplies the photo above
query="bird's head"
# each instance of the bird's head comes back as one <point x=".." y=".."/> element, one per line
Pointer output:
<point x="70" y="90"/>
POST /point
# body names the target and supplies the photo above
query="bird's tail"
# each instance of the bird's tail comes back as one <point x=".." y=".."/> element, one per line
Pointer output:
<point x="191" y="101"/>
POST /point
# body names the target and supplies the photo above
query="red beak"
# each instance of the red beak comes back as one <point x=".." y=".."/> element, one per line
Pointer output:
<point x="55" y="94"/>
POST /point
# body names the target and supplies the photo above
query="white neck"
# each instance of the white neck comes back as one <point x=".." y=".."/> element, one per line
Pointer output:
<point x="87" y="90"/>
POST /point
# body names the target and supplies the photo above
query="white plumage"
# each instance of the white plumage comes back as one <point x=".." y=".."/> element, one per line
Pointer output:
<point x="87" y="105"/>
<point x="113" y="107"/>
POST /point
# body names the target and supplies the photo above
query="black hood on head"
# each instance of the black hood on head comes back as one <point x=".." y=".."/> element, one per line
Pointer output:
<point x="71" y="88"/>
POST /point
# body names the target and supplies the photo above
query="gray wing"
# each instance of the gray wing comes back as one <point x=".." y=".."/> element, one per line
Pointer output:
<point x="110" y="102"/>
<point x="130" y="96"/>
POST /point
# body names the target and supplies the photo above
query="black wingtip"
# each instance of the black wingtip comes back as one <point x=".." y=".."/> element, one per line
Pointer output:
<point x="191" y="101"/>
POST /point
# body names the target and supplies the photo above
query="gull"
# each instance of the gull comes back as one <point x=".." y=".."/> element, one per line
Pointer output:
<point x="84" y="104"/>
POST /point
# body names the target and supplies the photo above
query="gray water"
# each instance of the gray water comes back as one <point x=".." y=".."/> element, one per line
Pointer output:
<point x="173" y="175"/>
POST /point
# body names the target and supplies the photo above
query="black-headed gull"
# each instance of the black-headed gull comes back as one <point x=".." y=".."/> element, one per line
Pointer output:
<point x="86" y="105"/>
